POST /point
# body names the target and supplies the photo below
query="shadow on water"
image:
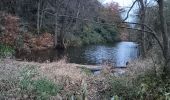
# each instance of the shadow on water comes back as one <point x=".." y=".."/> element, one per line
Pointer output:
<point x="118" y="54"/>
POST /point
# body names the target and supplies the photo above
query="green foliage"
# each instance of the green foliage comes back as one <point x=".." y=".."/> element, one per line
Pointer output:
<point x="41" y="88"/>
<point x="93" y="34"/>
<point x="45" y="88"/>
<point x="6" y="51"/>
<point x="144" y="87"/>
<point x="153" y="87"/>
<point x="73" y="40"/>
<point x="122" y="87"/>
<point x="109" y="33"/>
<point x="92" y="38"/>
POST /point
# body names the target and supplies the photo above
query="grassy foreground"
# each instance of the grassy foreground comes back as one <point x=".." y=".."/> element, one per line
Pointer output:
<point x="64" y="81"/>
<point x="54" y="81"/>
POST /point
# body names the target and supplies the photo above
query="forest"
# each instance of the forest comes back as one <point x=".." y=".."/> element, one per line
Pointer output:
<point x="84" y="50"/>
<point x="71" y="22"/>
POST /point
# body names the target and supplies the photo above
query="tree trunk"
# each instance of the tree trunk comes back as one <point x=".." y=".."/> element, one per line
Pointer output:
<point x="38" y="17"/>
<point x="56" y="31"/>
<point x="41" y="17"/>
<point x="60" y="34"/>
<point x="163" y="26"/>
<point x="163" y="29"/>
<point x="142" y="36"/>
<point x="60" y="42"/>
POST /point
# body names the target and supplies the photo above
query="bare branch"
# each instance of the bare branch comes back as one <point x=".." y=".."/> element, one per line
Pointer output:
<point x="130" y="10"/>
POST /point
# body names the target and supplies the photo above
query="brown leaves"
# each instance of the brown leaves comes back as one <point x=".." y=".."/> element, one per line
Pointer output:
<point x="41" y="42"/>
<point x="11" y="28"/>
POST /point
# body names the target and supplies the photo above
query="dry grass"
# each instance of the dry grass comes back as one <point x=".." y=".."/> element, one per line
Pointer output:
<point x="9" y="79"/>
<point x="141" y="67"/>
<point x="73" y="80"/>
<point x="71" y="77"/>
<point x="62" y="68"/>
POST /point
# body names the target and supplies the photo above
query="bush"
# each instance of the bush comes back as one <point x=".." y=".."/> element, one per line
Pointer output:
<point x="94" y="34"/>
<point x="153" y="87"/>
<point x="123" y="88"/>
<point x="144" y="87"/>
<point x="6" y="51"/>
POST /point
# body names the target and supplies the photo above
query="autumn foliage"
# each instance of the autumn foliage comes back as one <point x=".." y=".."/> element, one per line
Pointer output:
<point x="10" y="34"/>
<point x="43" y="41"/>
<point x="10" y="28"/>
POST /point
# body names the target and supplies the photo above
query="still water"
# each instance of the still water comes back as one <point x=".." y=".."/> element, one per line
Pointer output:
<point x="117" y="54"/>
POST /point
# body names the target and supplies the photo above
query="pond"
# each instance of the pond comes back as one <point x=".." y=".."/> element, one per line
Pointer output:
<point x="118" y="54"/>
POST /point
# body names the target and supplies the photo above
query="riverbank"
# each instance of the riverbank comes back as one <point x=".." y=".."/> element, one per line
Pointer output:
<point x="61" y="80"/>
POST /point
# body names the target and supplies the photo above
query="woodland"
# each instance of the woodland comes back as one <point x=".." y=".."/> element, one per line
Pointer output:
<point x="27" y="26"/>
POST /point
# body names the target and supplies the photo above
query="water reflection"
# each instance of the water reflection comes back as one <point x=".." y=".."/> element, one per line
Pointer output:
<point x="118" y="54"/>
<point x="126" y="51"/>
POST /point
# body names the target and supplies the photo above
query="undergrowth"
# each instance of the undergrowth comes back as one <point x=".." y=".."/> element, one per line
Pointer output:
<point x="143" y="87"/>
<point x="30" y="86"/>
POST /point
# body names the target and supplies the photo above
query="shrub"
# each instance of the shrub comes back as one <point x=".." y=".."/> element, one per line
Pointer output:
<point x="144" y="87"/>
<point x="123" y="88"/>
<point x="6" y="51"/>
<point x="152" y="87"/>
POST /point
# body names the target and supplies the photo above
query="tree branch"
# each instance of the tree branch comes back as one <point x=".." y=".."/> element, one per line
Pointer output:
<point x="130" y="10"/>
